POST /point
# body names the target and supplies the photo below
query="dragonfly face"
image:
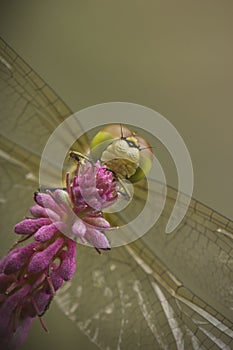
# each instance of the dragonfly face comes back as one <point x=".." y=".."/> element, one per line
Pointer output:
<point x="126" y="154"/>
<point x="161" y="292"/>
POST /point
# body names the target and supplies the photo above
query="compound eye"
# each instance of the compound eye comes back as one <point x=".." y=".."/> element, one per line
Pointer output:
<point x="146" y="157"/>
<point x="131" y="144"/>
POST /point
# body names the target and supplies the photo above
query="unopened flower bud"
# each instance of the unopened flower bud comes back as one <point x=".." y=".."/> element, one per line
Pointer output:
<point x="48" y="231"/>
<point x="18" y="258"/>
<point x="97" y="239"/>
<point x="41" y="260"/>
<point x="29" y="226"/>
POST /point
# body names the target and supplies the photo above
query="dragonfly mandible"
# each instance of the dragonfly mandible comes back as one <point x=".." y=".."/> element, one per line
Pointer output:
<point x="160" y="292"/>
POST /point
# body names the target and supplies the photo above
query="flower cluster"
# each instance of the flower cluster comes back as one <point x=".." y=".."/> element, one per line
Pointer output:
<point x="30" y="275"/>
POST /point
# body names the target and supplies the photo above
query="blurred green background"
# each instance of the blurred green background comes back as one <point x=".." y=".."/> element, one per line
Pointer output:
<point x="173" y="56"/>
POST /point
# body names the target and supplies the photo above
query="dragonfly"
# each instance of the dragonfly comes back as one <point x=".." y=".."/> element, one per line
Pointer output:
<point x="160" y="292"/>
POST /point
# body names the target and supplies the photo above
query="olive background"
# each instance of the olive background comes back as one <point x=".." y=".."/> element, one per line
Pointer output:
<point x="173" y="56"/>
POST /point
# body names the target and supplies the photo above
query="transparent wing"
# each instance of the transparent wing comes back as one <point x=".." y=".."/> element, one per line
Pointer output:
<point x="30" y="109"/>
<point x="163" y="291"/>
<point x="29" y="112"/>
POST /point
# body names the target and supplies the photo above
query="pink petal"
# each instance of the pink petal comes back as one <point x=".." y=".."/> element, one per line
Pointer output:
<point x="9" y="306"/>
<point x="79" y="228"/>
<point x="29" y="226"/>
<point x="38" y="211"/>
<point x="62" y="197"/>
<point x="68" y="264"/>
<point x="46" y="200"/>
<point x="41" y="260"/>
<point x="17" y="260"/>
<point x="97" y="222"/>
<point x="48" y="231"/>
<point x="97" y="239"/>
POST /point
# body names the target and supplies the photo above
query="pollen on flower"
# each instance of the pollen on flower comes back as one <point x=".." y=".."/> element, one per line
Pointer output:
<point x="30" y="275"/>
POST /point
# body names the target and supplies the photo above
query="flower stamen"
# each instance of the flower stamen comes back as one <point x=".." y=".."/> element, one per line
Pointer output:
<point x="38" y="314"/>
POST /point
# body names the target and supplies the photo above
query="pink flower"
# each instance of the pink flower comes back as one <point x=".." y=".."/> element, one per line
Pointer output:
<point x="30" y="275"/>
